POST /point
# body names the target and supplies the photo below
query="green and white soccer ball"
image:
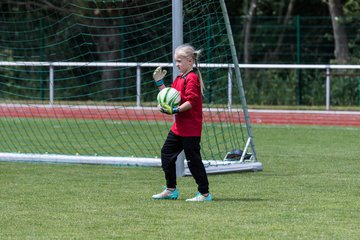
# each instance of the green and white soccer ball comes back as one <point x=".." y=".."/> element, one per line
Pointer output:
<point x="169" y="96"/>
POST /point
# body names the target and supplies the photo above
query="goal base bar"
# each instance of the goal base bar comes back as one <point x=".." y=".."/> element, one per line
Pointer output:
<point x="211" y="166"/>
<point x="214" y="167"/>
<point x="80" y="159"/>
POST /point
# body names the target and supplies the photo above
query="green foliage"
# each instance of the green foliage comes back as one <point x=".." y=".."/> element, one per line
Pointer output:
<point x="345" y="87"/>
<point x="351" y="8"/>
<point x="281" y="87"/>
<point x="270" y="87"/>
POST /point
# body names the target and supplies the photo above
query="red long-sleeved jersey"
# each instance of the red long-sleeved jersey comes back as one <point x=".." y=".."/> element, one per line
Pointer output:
<point x="188" y="123"/>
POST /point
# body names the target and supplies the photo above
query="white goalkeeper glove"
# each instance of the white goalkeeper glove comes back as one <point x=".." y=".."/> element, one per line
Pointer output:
<point x="158" y="76"/>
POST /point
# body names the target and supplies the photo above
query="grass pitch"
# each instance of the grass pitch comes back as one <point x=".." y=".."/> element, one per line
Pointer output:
<point x="309" y="189"/>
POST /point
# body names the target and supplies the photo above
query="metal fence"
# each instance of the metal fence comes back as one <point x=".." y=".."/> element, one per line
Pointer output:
<point x="327" y="68"/>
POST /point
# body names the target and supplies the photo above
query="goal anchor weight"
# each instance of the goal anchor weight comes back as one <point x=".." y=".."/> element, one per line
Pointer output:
<point x="226" y="165"/>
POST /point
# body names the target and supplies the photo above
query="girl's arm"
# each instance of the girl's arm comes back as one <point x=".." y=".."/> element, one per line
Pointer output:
<point x="186" y="106"/>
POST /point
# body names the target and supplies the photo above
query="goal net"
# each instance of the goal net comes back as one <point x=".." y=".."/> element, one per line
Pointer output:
<point x="76" y="82"/>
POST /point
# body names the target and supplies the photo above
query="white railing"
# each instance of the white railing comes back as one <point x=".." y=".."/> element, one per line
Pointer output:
<point x="138" y="66"/>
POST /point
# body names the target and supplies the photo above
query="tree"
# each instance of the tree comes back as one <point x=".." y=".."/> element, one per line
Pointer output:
<point x="99" y="16"/>
<point x="342" y="55"/>
<point x="247" y="30"/>
<point x="288" y="14"/>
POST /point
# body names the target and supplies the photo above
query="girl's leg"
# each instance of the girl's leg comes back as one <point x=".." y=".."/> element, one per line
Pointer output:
<point x="169" y="152"/>
<point x="193" y="156"/>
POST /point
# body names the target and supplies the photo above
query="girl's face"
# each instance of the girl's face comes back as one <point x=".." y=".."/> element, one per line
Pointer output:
<point x="183" y="64"/>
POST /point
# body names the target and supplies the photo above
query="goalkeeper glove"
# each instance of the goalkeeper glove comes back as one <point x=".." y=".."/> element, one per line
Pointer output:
<point x="164" y="108"/>
<point x="158" y="76"/>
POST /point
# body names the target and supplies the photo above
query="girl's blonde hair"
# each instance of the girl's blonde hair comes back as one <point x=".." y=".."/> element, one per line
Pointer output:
<point x="188" y="51"/>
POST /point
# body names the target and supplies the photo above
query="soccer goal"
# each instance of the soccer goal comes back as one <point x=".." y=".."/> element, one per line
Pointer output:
<point x="77" y="83"/>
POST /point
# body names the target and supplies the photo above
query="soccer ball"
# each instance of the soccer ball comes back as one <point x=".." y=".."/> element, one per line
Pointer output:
<point x="169" y="96"/>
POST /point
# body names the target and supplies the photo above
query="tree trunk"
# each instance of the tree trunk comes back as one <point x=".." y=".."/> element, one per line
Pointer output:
<point x="341" y="42"/>
<point x="108" y="51"/>
<point x="247" y="32"/>
<point x="274" y="55"/>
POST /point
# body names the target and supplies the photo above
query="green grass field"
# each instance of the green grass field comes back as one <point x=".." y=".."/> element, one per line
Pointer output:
<point x="309" y="189"/>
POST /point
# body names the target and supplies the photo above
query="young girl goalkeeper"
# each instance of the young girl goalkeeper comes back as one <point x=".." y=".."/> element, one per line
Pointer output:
<point x="185" y="133"/>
